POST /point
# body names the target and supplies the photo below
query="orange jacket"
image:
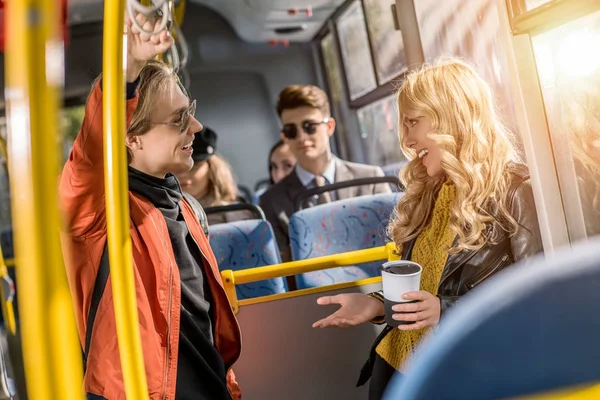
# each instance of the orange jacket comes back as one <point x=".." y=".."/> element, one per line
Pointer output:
<point x="157" y="281"/>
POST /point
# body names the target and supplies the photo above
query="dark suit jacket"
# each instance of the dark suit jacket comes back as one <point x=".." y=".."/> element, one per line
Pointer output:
<point x="278" y="201"/>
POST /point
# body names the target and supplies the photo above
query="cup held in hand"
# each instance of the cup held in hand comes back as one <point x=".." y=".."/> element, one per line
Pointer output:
<point x="398" y="278"/>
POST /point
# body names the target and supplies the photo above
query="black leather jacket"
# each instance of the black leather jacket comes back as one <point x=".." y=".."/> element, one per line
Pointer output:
<point x="467" y="269"/>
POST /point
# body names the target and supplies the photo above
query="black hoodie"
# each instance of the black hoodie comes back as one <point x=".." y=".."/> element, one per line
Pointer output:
<point x="201" y="373"/>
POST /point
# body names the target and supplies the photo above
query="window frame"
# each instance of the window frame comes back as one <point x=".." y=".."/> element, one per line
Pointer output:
<point x="381" y="90"/>
<point x="547" y="16"/>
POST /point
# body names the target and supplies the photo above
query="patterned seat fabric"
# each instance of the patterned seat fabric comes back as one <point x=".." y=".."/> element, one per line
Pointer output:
<point x="352" y="224"/>
<point x="247" y="244"/>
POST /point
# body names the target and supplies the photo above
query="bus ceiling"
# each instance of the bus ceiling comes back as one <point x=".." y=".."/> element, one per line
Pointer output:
<point x="255" y="21"/>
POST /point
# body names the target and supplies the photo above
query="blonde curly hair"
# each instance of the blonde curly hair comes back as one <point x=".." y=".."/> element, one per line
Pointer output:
<point x="476" y="148"/>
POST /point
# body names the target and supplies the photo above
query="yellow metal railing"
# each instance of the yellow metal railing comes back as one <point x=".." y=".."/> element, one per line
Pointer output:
<point x="34" y="75"/>
<point x="117" y="202"/>
<point x="232" y="278"/>
<point x="581" y="392"/>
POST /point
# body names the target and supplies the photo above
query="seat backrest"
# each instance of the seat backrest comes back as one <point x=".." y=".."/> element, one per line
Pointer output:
<point x="305" y="198"/>
<point x="531" y="329"/>
<point x="393" y="169"/>
<point x="233" y="212"/>
<point x="257" y="194"/>
<point x="247" y="244"/>
<point x="338" y="227"/>
<point x="244" y="193"/>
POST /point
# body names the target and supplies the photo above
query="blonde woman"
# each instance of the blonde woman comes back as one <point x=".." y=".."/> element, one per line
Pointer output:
<point x="468" y="211"/>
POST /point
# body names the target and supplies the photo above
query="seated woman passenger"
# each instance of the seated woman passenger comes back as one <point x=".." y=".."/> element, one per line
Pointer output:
<point x="210" y="181"/>
<point x="468" y="211"/>
<point x="281" y="161"/>
<point x="189" y="334"/>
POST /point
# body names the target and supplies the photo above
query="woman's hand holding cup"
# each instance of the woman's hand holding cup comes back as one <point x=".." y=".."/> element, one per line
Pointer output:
<point x="423" y="311"/>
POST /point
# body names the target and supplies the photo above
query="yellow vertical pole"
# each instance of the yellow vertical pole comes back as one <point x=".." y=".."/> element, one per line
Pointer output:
<point x="34" y="74"/>
<point x="179" y="12"/>
<point x="117" y="202"/>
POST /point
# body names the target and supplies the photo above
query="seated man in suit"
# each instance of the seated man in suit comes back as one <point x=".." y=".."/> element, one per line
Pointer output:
<point x="307" y="126"/>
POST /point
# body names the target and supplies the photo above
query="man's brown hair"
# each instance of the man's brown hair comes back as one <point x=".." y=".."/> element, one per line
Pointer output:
<point x="157" y="80"/>
<point x="295" y="96"/>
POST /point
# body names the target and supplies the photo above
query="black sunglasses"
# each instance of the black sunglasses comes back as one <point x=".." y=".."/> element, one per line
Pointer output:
<point x="290" y="131"/>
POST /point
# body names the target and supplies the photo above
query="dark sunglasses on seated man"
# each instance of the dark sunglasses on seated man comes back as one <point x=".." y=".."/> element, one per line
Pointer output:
<point x="290" y="131"/>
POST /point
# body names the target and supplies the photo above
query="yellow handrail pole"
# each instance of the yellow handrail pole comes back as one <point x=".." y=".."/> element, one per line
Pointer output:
<point x="34" y="74"/>
<point x="309" y="265"/>
<point x="231" y="278"/>
<point x="117" y="203"/>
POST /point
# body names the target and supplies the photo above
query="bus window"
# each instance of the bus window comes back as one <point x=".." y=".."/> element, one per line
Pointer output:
<point x="531" y="4"/>
<point x="388" y="47"/>
<point x="336" y="87"/>
<point x="356" y="55"/>
<point x="568" y="65"/>
<point x="379" y="131"/>
<point x="333" y="68"/>
<point x="470" y="30"/>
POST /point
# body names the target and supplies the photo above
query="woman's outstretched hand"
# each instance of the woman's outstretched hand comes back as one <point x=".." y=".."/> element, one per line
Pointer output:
<point x="356" y="308"/>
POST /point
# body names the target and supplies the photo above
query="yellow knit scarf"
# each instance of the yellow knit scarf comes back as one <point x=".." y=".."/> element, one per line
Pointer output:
<point x="430" y="251"/>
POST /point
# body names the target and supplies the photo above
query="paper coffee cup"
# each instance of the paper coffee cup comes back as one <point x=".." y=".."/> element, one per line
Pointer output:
<point x="399" y="277"/>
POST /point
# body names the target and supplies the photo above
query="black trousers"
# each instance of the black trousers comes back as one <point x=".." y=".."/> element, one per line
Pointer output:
<point x="382" y="373"/>
<point x="94" y="397"/>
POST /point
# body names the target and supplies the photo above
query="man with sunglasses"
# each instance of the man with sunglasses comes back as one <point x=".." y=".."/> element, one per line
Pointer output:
<point x="307" y="127"/>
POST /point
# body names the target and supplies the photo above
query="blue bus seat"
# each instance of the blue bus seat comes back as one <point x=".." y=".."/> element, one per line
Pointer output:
<point x="393" y="170"/>
<point x="257" y="194"/>
<point x="338" y="227"/>
<point x="531" y="329"/>
<point x="247" y="244"/>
